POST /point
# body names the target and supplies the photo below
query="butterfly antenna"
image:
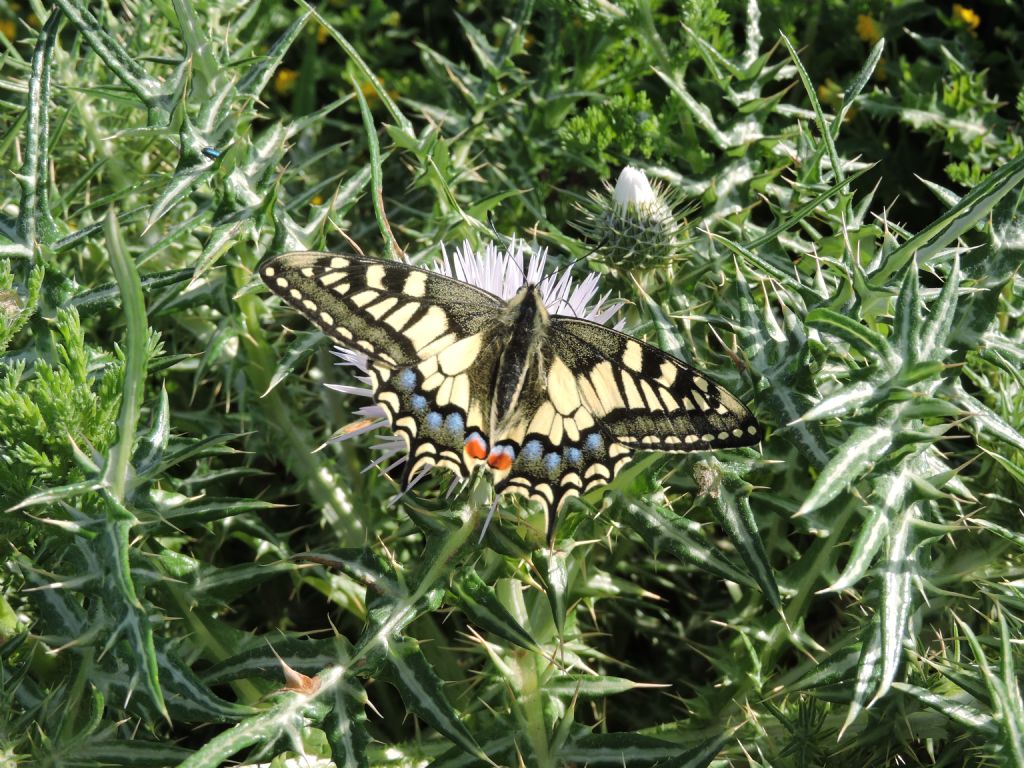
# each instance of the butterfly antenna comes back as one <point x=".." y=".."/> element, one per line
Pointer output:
<point x="589" y="253"/>
<point x="508" y="242"/>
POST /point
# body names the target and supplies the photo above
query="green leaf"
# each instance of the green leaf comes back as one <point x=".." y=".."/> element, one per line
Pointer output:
<point x="618" y="749"/>
<point x="109" y="295"/>
<point x="555" y="572"/>
<point x="867" y="673"/>
<point x="133" y="625"/>
<point x="35" y="222"/>
<point x="865" y="446"/>
<point x="731" y="503"/>
<point x="116" y="472"/>
<point x="263" y="660"/>
<point x="955" y="710"/>
<point x="856" y="86"/>
<point x="896" y="606"/>
<point x="664" y="531"/>
<point x="364" y="70"/>
<point x="588" y="686"/>
<point x="845" y="401"/>
<point x="482" y="607"/>
<point x="421" y="690"/>
<point x="935" y="334"/>
<point x="888" y="494"/>
<point x="376" y="177"/>
<point x="151" y="446"/>
<point x="296" y="352"/>
<point x="973" y="208"/>
<point x="346" y="728"/>
<point x="823" y="126"/>
<point x="868" y="342"/>
<point x="1004" y="690"/>
<point x="908" y="318"/>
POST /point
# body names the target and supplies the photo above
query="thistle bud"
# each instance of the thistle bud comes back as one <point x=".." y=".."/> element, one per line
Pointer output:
<point x="633" y="189"/>
<point x="635" y="223"/>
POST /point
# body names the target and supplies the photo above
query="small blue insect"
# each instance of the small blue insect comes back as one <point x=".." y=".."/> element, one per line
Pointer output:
<point x="211" y="153"/>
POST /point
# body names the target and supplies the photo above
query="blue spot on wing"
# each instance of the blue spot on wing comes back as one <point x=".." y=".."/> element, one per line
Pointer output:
<point x="406" y="379"/>
<point x="574" y="456"/>
<point x="594" y="442"/>
<point x="419" y="402"/>
<point x="532" y="450"/>
<point x="434" y="420"/>
<point x="455" y="424"/>
<point x="552" y="462"/>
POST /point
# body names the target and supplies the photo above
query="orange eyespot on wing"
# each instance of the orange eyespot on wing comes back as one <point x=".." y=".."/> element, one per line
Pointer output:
<point x="501" y="458"/>
<point x="476" y="446"/>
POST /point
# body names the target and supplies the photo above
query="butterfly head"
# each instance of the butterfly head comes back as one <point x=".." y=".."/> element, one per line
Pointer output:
<point x="528" y="302"/>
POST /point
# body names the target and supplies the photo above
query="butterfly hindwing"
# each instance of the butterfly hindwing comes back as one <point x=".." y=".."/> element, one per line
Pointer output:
<point x="561" y="448"/>
<point x="439" y="403"/>
<point x="390" y="311"/>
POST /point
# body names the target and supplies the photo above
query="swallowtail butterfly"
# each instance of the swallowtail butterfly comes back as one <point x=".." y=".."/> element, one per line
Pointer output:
<point x="552" y="405"/>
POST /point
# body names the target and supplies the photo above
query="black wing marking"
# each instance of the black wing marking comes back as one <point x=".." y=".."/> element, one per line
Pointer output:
<point x="392" y="312"/>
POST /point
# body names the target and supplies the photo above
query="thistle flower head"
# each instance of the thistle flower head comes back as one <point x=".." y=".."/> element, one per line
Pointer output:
<point x="503" y="273"/>
<point x="635" y="223"/>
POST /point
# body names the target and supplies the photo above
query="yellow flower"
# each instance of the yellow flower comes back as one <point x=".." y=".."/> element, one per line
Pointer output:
<point x="830" y="92"/>
<point x="881" y="73"/>
<point x="966" y="15"/>
<point x="317" y="200"/>
<point x="284" y="80"/>
<point x="8" y="29"/>
<point x="867" y="29"/>
<point x="321" y="34"/>
<point x="369" y="93"/>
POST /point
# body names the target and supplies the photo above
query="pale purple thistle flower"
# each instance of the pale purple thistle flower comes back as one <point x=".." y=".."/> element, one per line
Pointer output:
<point x="501" y="273"/>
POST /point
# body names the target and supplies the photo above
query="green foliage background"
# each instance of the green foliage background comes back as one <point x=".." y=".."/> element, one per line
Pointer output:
<point x="847" y="594"/>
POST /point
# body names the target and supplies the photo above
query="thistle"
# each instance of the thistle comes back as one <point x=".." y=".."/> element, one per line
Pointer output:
<point x="637" y="224"/>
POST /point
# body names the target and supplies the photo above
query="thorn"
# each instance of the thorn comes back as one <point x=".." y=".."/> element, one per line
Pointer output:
<point x="296" y="681"/>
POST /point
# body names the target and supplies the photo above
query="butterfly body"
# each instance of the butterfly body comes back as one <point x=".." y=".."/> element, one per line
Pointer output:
<point x="551" y="405"/>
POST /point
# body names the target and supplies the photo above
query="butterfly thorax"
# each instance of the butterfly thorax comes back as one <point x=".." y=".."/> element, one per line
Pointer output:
<point x="521" y="359"/>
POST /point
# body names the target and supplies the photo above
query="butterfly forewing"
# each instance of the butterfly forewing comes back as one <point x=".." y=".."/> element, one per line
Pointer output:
<point x="645" y="398"/>
<point x="429" y="341"/>
<point x="563" y="449"/>
<point x="603" y="395"/>
<point x="392" y="312"/>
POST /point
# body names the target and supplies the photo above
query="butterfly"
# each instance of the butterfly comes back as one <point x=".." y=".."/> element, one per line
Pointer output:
<point x="552" y="405"/>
